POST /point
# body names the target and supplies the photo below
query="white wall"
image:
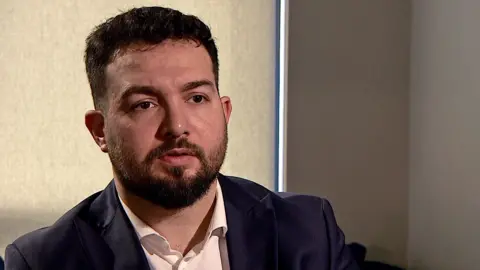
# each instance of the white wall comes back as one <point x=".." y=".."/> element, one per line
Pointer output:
<point x="48" y="161"/>
<point x="445" y="136"/>
<point x="347" y="137"/>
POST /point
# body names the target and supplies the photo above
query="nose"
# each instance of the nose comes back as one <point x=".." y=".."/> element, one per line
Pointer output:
<point x="174" y="124"/>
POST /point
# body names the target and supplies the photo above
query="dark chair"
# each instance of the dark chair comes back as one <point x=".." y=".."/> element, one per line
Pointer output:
<point x="359" y="252"/>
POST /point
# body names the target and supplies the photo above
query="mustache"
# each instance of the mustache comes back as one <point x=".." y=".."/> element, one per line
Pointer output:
<point x="170" y="145"/>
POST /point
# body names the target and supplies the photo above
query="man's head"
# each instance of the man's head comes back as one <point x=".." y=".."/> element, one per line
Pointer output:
<point x="153" y="73"/>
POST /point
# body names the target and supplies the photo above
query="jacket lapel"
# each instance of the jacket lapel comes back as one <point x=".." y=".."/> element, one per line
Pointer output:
<point x="252" y="233"/>
<point x="117" y="232"/>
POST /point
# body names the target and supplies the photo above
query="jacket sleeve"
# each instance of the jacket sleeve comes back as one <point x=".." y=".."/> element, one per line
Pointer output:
<point x="340" y="255"/>
<point x="14" y="259"/>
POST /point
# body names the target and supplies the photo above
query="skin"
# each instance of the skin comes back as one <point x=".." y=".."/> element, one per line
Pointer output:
<point x="156" y="95"/>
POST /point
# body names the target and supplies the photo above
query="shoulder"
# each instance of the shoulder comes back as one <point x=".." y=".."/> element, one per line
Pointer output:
<point x="32" y="248"/>
<point x="60" y="227"/>
<point x="302" y="205"/>
<point x="259" y="192"/>
<point x="306" y="228"/>
<point x="309" y="216"/>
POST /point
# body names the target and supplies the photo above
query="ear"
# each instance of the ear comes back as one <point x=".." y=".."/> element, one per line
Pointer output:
<point x="227" y="107"/>
<point x="95" y="123"/>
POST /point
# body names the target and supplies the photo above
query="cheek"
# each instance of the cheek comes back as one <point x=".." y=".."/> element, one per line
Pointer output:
<point x="135" y="137"/>
<point x="209" y="129"/>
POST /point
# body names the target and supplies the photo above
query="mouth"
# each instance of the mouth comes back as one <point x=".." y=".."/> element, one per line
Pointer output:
<point x="178" y="156"/>
<point x="179" y="152"/>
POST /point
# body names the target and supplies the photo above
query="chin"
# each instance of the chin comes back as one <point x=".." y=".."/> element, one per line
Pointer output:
<point x="190" y="173"/>
<point x="172" y="172"/>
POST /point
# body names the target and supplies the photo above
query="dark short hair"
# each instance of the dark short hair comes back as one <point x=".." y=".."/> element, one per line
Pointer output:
<point x="149" y="25"/>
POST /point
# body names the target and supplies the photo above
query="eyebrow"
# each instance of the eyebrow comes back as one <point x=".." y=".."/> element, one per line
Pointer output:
<point x="151" y="91"/>
<point x="138" y="89"/>
<point x="199" y="83"/>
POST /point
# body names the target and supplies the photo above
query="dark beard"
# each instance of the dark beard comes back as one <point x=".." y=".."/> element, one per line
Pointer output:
<point x="176" y="192"/>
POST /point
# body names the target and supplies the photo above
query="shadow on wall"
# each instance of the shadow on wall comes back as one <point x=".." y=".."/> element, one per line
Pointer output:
<point x="14" y="223"/>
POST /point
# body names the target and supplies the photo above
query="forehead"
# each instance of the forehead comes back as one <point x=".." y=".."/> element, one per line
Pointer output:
<point x="170" y="62"/>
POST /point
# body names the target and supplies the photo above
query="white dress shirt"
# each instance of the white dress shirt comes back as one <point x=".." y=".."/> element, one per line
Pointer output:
<point x="209" y="254"/>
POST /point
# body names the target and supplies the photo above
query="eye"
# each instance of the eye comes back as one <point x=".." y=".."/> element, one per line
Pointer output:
<point x="197" y="99"/>
<point x="144" y="105"/>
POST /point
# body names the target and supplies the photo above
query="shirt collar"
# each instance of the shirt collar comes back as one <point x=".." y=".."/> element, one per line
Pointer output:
<point x="219" y="217"/>
<point x="218" y="222"/>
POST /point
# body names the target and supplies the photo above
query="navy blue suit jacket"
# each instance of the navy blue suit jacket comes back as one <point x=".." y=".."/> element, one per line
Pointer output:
<point x="266" y="231"/>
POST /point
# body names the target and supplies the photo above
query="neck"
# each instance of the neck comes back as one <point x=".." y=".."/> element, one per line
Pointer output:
<point x="183" y="228"/>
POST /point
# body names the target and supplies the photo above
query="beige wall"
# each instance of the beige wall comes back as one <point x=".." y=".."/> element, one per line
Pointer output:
<point x="348" y="116"/>
<point x="445" y="136"/>
<point x="48" y="161"/>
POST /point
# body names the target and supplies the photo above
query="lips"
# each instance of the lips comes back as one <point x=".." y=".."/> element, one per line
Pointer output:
<point x="179" y="152"/>
<point x="178" y="157"/>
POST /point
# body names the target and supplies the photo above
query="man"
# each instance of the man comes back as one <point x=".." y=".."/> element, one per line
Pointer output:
<point x="153" y="74"/>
